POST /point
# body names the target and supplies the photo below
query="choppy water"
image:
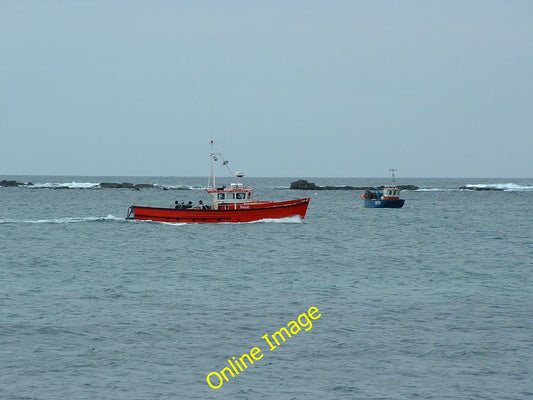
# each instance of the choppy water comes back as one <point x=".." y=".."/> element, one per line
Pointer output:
<point x="432" y="301"/>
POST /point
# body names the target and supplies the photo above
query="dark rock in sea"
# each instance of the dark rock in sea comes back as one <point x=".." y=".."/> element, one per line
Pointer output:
<point x="408" y="187"/>
<point x="5" y="183"/>
<point x="302" y="184"/>
<point x="110" y="185"/>
<point x="126" y="185"/>
<point x="143" y="186"/>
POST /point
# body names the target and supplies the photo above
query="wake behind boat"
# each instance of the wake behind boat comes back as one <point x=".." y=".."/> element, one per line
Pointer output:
<point x="230" y="204"/>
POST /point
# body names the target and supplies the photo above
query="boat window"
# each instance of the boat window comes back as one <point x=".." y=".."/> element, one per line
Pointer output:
<point x="240" y="196"/>
<point x="220" y="196"/>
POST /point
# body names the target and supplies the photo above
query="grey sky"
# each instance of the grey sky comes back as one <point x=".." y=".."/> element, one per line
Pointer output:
<point x="295" y="88"/>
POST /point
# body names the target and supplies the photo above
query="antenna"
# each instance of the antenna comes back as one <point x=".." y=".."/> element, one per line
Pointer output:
<point x="211" y="181"/>
<point x="211" y="112"/>
<point x="226" y="163"/>
<point x="393" y="170"/>
<point x="214" y="158"/>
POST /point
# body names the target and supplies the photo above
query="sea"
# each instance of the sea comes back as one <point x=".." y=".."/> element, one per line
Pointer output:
<point x="431" y="301"/>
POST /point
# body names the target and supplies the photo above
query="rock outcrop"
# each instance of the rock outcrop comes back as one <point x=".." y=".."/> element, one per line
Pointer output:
<point x="303" y="184"/>
<point x="5" y="183"/>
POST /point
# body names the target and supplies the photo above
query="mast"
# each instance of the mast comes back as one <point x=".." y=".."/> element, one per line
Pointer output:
<point x="393" y="170"/>
<point x="211" y="184"/>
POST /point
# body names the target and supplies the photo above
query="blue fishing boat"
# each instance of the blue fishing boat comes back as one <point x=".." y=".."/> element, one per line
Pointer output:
<point x="388" y="197"/>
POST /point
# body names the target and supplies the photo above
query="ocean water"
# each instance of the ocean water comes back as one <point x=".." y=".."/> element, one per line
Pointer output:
<point x="431" y="301"/>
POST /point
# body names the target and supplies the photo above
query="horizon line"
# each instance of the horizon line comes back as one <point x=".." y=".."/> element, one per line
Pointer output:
<point x="2" y="176"/>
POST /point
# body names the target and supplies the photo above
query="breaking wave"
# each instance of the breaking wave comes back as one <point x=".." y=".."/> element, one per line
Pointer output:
<point x="178" y="187"/>
<point x="435" y="190"/>
<point x="508" y="187"/>
<point x="107" y="185"/>
<point x="65" y="185"/>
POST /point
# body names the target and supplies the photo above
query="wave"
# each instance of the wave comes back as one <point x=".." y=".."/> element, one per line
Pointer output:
<point x="66" y="185"/>
<point x="435" y="190"/>
<point x="62" y="220"/>
<point x="288" y="220"/>
<point x="147" y="221"/>
<point x="106" y="185"/>
<point x="296" y="219"/>
<point x="178" y="187"/>
<point x="507" y="187"/>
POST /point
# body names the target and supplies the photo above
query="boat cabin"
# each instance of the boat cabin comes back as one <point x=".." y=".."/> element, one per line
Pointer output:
<point x="391" y="193"/>
<point x="234" y="197"/>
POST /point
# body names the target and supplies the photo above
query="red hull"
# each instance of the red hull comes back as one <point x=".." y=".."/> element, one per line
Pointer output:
<point x="249" y="212"/>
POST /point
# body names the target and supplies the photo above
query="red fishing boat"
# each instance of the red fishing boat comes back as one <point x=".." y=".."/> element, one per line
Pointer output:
<point x="230" y="204"/>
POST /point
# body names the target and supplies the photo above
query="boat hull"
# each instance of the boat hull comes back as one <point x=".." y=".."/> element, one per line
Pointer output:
<point x="246" y="213"/>
<point x="397" y="203"/>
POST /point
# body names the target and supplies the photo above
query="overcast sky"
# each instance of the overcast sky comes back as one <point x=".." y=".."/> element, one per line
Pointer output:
<point x="293" y="88"/>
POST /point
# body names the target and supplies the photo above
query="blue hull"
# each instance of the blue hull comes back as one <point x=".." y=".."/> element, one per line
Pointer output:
<point x="384" y="203"/>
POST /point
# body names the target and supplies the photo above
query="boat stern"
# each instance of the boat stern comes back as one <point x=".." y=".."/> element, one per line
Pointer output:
<point x="131" y="212"/>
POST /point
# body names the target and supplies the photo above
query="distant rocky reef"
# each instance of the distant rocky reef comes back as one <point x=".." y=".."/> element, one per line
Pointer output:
<point x="102" y="185"/>
<point x="302" y="184"/>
